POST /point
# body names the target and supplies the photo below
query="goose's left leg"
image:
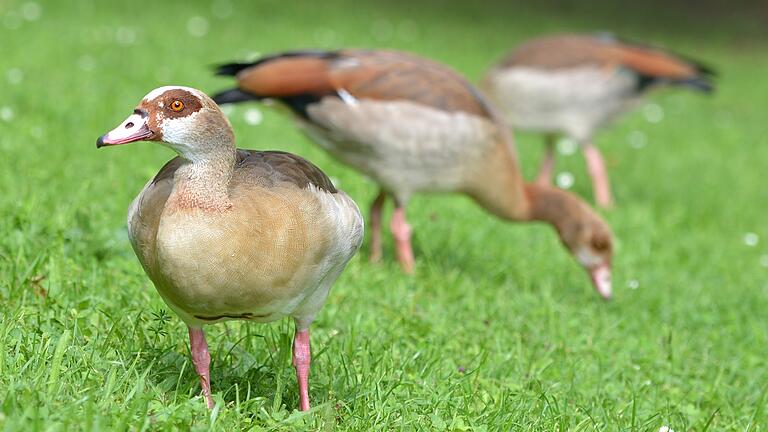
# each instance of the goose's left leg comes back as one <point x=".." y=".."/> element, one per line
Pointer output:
<point x="401" y="231"/>
<point x="376" y="211"/>
<point x="301" y="360"/>
<point x="201" y="358"/>
<point x="601" y="187"/>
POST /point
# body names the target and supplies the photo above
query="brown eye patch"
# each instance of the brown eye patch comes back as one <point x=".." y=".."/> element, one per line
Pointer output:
<point x="601" y="244"/>
<point x="180" y="103"/>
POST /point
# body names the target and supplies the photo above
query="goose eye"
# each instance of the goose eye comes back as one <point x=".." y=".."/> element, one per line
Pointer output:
<point x="600" y="244"/>
<point x="177" y="105"/>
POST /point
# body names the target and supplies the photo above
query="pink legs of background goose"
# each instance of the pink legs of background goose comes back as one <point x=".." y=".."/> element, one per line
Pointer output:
<point x="401" y="233"/>
<point x="595" y="167"/>
<point x="601" y="186"/>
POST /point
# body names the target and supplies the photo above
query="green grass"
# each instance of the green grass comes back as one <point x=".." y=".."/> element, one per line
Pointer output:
<point x="499" y="330"/>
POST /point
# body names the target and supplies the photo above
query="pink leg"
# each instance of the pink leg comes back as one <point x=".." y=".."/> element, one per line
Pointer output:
<point x="202" y="361"/>
<point x="548" y="164"/>
<point x="376" y="210"/>
<point x="401" y="231"/>
<point x="596" y="166"/>
<point x="301" y="360"/>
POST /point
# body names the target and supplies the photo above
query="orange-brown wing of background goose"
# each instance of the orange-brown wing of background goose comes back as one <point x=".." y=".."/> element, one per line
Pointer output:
<point x="300" y="78"/>
<point x="270" y="166"/>
<point x="574" y="50"/>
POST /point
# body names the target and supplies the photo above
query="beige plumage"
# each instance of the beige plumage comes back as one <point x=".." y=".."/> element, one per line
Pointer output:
<point x="234" y="234"/>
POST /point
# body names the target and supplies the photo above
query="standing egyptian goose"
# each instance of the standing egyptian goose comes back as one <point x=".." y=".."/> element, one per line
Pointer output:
<point x="230" y="234"/>
<point x="416" y="126"/>
<point x="574" y="84"/>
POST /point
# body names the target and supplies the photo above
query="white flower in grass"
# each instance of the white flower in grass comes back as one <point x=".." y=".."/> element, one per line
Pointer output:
<point x="637" y="139"/>
<point x="227" y="109"/>
<point x="565" y="180"/>
<point x="633" y="284"/>
<point x="197" y="26"/>
<point x="6" y="113"/>
<point x="253" y="116"/>
<point x="751" y="239"/>
<point x="251" y="56"/>
<point x="653" y="113"/>
<point x="566" y="146"/>
<point x="666" y="429"/>
<point x="31" y="11"/>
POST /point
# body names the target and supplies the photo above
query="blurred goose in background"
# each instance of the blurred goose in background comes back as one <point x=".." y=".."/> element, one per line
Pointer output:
<point x="574" y="84"/>
<point x="415" y="126"/>
<point x="230" y="234"/>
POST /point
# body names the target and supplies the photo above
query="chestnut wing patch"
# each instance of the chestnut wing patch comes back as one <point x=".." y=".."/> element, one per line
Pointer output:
<point x="649" y="63"/>
<point x="302" y="78"/>
<point x="295" y="78"/>
<point x="392" y="75"/>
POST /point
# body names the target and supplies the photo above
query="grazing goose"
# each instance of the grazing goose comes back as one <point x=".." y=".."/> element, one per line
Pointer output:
<point x="574" y="84"/>
<point x="226" y="234"/>
<point x="416" y="126"/>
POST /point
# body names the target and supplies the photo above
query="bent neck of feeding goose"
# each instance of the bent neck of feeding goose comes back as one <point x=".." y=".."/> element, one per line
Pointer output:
<point x="580" y="228"/>
<point x="554" y="206"/>
<point x="501" y="190"/>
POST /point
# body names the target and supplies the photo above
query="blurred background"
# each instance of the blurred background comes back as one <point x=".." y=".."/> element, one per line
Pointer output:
<point x="499" y="327"/>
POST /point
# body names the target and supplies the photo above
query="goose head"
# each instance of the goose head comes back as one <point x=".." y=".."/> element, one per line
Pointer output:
<point x="182" y="118"/>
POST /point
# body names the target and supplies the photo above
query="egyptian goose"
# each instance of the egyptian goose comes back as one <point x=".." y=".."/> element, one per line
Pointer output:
<point x="227" y="234"/>
<point x="573" y="84"/>
<point x="417" y="126"/>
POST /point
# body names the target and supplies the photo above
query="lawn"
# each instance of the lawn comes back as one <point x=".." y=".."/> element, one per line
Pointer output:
<point x="498" y="330"/>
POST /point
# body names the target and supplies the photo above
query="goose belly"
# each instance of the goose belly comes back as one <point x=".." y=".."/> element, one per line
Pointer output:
<point x="406" y="147"/>
<point x="251" y="265"/>
<point x="572" y="101"/>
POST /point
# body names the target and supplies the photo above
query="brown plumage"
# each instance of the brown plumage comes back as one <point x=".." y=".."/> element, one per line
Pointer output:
<point x="416" y="126"/>
<point x="297" y="78"/>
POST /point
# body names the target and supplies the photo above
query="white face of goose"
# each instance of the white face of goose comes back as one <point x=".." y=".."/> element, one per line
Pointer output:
<point x="183" y="118"/>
